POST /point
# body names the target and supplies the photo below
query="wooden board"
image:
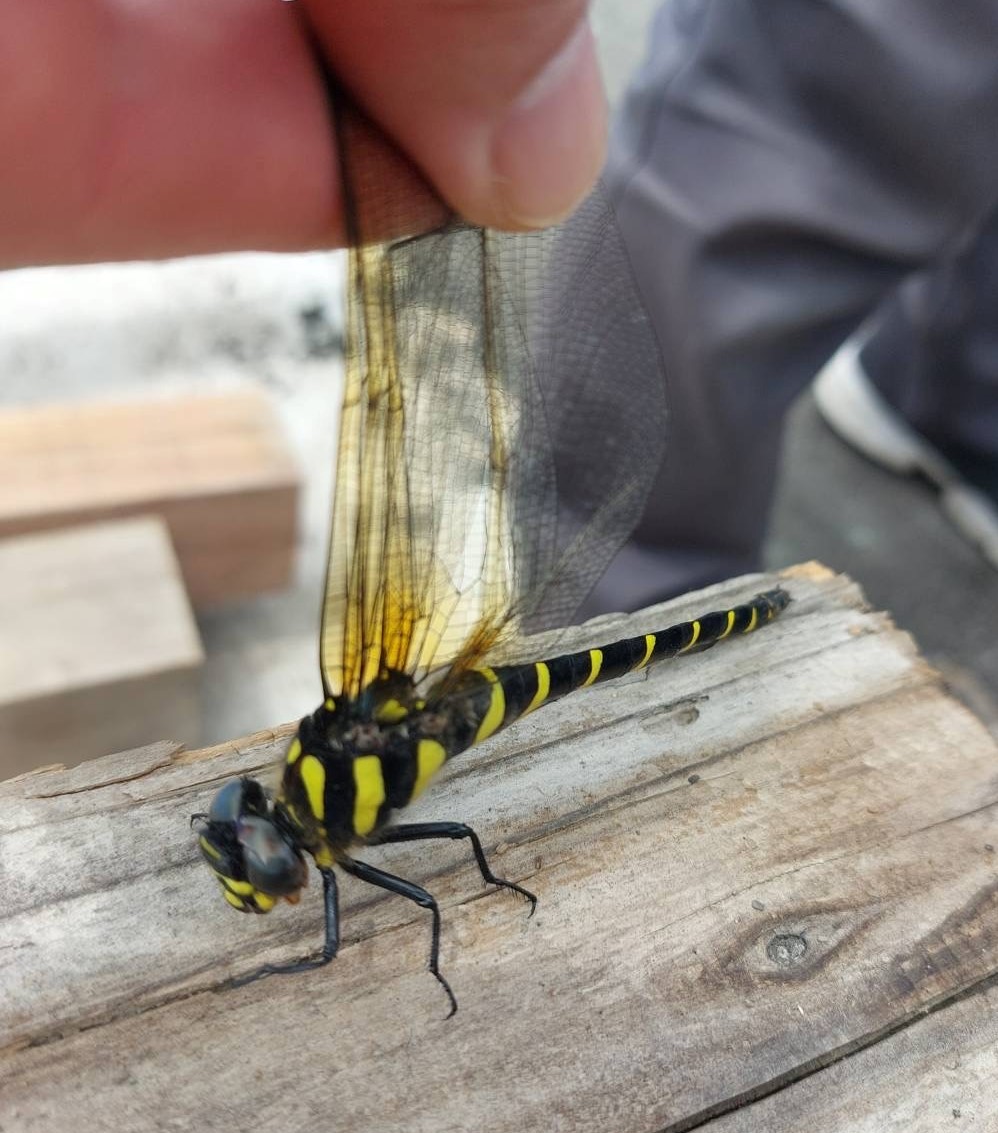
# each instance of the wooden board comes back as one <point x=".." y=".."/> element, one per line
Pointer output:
<point x="216" y="467"/>
<point x="751" y="863"/>
<point x="98" y="646"/>
<point x="936" y="1074"/>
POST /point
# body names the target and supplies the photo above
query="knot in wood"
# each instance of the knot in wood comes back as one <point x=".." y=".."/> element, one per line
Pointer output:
<point x="786" y="949"/>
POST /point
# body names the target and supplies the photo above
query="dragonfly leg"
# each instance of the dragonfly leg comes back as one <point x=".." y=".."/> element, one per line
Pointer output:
<point x="417" y="831"/>
<point x="331" y="946"/>
<point x="412" y="892"/>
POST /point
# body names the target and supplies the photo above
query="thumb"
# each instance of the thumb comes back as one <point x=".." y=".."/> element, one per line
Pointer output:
<point x="500" y="105"/>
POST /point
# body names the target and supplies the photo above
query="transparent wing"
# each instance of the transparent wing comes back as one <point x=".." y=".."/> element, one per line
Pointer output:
<point x="498" y="436"/>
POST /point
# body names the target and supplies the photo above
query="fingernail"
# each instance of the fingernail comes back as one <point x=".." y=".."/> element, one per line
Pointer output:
<point x="550" y="148"/>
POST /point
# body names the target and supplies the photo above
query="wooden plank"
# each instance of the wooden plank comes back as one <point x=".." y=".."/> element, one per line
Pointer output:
<point x="98" y="646"/>
<point x="750" y="863"/>
<point x="216" y="467"/>
<point x="939" y="1073"/>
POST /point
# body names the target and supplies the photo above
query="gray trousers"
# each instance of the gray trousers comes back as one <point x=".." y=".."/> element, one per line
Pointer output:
<point x="780" y="168"/>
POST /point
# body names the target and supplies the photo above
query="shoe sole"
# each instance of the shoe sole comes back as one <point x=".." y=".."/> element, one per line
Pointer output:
<point x="852" y="407"/>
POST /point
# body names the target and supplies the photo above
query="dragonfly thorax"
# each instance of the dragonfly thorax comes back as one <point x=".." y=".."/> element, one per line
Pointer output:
<point x="352" y="764"/>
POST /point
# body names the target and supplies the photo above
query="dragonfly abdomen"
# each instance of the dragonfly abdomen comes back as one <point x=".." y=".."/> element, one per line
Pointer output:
<point x="339" y="795"/>
<point x="516" y="690"/>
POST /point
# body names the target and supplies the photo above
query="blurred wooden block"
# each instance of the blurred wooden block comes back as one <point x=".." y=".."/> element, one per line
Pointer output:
<point x="217" y="468"/>
<point x="98" y="647"/>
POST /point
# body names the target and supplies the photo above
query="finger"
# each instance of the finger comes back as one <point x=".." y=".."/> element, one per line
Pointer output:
<point x="499" y="104"/>
<point x="156" y="129"/>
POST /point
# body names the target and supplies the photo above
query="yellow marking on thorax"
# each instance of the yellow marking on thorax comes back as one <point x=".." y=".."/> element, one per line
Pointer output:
<point x="294" y="751"/>
<point x="329" y="704"/>
<point x="729" y="627"/>
<point x="264" y="901"/>
<point x="369" y="783"/>
<point x="234" y="901"/>
<point x="595" y="664"/>
<point x="543" y="686"/>
<point x="391" y="712"/>
<point x="753" y="621"/>
<point x="209" y="849"/>
<point x="496" y="713"/>
<point x="313" y="775"/>
<point x="649" y="648"/>
<point x="430" y="757"/>
<point x="694" y="639"/>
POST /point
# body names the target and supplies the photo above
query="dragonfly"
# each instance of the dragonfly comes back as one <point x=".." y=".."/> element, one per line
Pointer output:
<point x="502" y="421"/>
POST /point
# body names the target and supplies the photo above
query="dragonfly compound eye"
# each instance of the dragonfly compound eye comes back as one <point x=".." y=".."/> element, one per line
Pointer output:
<point x="273" y="866"/>
<point x="253" y="860"/>
<point x="239" y="797"/>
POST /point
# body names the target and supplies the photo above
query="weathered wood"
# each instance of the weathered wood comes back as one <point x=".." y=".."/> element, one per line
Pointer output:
<point x="937" y="1074"/>
<point x="98" y="646"/>
<point x="216" y="467"/>
<point x="751" y="863"/>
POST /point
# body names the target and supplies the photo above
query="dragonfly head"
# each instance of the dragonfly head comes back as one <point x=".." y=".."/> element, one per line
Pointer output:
<point x="249" y="850"/>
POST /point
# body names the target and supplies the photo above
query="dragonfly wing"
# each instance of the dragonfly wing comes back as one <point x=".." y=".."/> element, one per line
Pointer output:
<point x="489" y="463"/>
<point x="592" y="429"/>
<point x="415" y="577"/>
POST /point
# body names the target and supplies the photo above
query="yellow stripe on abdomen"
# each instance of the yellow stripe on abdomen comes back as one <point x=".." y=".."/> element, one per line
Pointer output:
<point x="694" y="639"/>
<point x="496" y="713"/>
<point x="649" y="648"/>
<point x="369" y="793"/>
<point x="543" y="686"/>
<point x="595" y="664"/>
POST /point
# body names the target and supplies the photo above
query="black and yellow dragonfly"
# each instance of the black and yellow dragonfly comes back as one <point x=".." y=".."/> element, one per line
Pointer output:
<point x="500" y="427"/>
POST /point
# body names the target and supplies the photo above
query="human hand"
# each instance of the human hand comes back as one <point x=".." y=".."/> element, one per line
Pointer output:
<point x="172" y="127"/>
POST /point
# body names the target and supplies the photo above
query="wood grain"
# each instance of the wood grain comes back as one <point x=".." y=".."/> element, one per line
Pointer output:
<point x="937" y="1074"/>
<point x="215" y="467"/>
<point x="751" y="864"/>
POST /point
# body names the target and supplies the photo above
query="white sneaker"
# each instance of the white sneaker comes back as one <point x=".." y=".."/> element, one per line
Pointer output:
<point x="851" y="405"/>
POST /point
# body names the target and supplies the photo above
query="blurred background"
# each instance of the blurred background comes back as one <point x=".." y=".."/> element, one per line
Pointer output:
<point x="212" y="635"/>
